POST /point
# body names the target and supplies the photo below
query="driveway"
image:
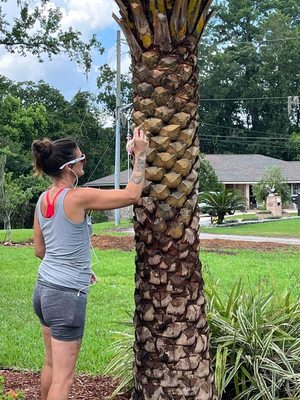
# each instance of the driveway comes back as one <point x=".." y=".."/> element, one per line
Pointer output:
<point x="261" y="239"/>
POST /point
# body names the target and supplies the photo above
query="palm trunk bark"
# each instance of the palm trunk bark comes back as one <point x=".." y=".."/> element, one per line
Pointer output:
<point x="172" y="356"/>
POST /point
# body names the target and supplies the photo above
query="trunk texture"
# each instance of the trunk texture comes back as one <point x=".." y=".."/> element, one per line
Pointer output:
<point x="172" y="357"/>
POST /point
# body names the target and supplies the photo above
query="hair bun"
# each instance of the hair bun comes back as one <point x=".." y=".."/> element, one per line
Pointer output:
<point x="43" y="147"/>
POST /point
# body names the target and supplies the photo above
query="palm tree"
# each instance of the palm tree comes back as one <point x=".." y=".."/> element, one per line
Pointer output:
<point x="172" y="356"/>
<point x="218" y="204"/>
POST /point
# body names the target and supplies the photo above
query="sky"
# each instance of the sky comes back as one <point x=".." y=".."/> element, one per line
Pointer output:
<point x="87" y="16"/>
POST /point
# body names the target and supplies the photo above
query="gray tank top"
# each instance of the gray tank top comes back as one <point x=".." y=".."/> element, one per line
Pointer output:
<point x="67" y="261"/>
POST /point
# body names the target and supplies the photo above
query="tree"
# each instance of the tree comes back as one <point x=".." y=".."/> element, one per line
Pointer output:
<point x="172" y="358"/>
<point x="29" y="111"/>
<point x="38" y="31"/>
<point x="218" y="204"/>
<point x="248" y="62"/>
<point x="12" y="195"/>
<point x="272" y="179"/>
<point x="106" y="83"/>
<point x="208" y="180"/>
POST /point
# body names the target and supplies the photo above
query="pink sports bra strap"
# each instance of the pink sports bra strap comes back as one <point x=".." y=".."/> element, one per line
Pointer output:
<point x="50" y="206"/>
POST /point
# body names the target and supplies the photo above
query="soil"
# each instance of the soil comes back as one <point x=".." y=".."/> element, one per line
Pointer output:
<point x="126" y="243"/>
<point x="84" y="388"/>
<point x="100" y="387"/>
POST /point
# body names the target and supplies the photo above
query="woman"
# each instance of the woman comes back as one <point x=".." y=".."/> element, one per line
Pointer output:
<point x="62" y="241"/>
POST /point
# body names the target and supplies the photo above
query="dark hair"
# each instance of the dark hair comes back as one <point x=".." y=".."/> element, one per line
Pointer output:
<point x="49" y="156"/>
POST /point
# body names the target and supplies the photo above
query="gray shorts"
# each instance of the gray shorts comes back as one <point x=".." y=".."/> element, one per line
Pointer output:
<point x="63" y="311"/>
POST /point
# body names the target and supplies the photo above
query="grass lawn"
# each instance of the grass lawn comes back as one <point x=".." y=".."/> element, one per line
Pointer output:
<point x="242" y="217"/>
<point x="21" y="235"/>
<point x="112" y="298"/>
<point x="284" y="228"/>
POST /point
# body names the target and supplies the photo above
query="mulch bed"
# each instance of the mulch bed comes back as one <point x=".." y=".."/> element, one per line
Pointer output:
<point x="127" y="243"/>
<point x="84" y="388"/>
<point x="221" y="246"/>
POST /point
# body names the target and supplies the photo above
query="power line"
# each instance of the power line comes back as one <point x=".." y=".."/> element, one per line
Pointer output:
<point x="248" y="143"/>
<point x="247" y="98"/>
<point x="295" y="38"/>
<point x="108" y="146"/>
<point x="244" y="137"/>
<point x="239" y="129"/>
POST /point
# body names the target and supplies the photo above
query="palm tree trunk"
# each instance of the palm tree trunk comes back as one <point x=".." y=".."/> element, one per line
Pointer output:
<point x="172" y="357"/>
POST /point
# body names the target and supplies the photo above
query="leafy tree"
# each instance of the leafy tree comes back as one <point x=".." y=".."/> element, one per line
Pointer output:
<point x="248" y="60"/>
<point x="38" y="31"/>
<point x="2" y="166"/>
<point x="218" y="204"/>
<point x="272" y="179"/>
<point x="106" y="83"/>
<point x="30" y="111"/>
<point x="12" y="195"/>
<point x="208" y="180"/>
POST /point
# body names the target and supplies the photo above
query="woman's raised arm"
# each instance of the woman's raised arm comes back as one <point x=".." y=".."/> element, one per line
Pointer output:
<point x="97" y="199"/>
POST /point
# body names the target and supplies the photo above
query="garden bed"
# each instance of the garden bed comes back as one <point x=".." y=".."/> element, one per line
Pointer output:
<point x="85" y="387"/>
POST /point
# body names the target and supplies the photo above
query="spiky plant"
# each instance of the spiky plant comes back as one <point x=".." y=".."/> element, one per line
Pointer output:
<point x="255" y="343"/>
<point x="172" y="358"/>
<point x="223" y="202"/>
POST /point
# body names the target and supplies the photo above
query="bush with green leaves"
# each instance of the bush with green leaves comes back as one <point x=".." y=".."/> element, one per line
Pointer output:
<point x="98" y="217"/>
<point x="255" y="339"/>
<point x="11" y="394"/>
<point x="272" y="181"/>
<point x="218" y="204"/>
<point x="208" y="179"/>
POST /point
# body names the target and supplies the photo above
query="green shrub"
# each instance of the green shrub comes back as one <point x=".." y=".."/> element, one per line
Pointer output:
<point x="98" y="217"/>
<point x="218" y="204"/>
<point x="272" y="179"/>
<point x="255" y="339"/>
<point x="11" y="394"/>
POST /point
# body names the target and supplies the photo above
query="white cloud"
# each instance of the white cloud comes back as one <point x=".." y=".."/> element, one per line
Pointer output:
<point x="88" y="16"/>
<point x="60" y="73"/>
<point x="21" y="68"/>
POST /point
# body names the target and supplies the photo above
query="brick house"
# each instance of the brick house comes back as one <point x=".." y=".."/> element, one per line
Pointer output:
<point x="242" y="171"/>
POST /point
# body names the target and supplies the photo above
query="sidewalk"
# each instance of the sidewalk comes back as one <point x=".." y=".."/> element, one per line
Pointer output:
<point x="211" y="236"/>
<point x="266" y="239"/>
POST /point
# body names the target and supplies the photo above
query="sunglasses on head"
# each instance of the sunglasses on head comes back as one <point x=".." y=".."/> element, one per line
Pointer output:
<point x="81" y="159"/>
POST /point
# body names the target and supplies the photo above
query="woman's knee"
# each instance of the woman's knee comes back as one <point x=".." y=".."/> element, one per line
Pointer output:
<point x="63" y="380"/>
<point x="48" y="362"/>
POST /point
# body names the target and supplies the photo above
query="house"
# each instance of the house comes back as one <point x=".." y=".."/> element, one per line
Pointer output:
<point x="236" y="171"/>
<point x="242" y="171"/>
<point x="107" y="182"/>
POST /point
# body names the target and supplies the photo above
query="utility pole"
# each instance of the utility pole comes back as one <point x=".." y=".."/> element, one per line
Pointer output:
<point x="118" y="124"/>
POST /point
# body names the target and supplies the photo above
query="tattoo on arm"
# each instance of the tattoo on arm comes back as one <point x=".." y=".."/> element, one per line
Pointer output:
<point x="139" y="169"/>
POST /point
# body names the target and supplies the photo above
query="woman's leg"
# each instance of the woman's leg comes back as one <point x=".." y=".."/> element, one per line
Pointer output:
<point x="46" y="376"/>
<point x="64" y="357"/>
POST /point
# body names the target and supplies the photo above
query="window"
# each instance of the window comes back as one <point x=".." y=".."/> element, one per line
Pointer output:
<point x="295" y="189"/>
